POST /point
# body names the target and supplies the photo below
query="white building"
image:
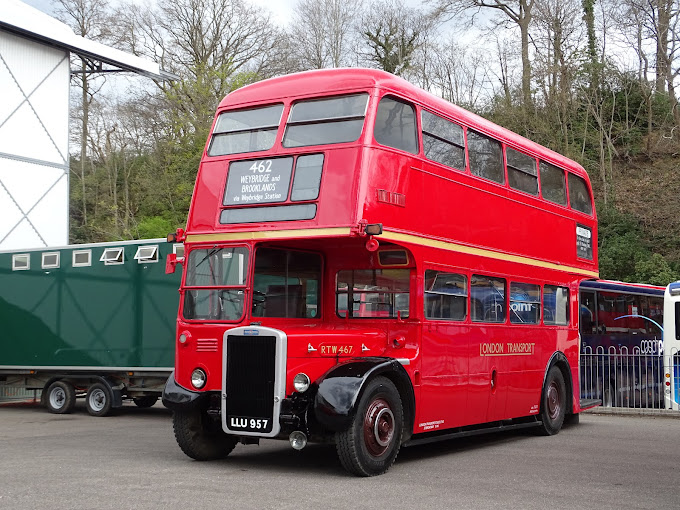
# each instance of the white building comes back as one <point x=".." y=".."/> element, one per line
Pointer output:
<point x="35" y="73"/>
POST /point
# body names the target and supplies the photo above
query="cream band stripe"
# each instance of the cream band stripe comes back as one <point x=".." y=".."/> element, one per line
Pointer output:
<point x="388" y="235"/>
<point x="480" y="252"/>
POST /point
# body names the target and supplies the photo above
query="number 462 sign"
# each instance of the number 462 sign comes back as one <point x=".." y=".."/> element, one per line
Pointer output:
<point x="258" y="182"/>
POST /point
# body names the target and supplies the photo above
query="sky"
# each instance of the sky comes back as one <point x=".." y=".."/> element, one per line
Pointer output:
<point x="280" y="9"/>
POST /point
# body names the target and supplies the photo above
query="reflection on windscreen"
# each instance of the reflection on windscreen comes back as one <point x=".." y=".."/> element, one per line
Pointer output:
<point x="215" y="284"/>
<point x="286" y="284"/>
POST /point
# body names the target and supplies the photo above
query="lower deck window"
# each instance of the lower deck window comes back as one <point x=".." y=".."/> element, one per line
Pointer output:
<point x="376" y="293"/>
<point x="555" y="305"/>
<point x="525" y="303"/>
<point x="286" y="284"/>
<point x="445" y="296"/>
<point x="487" y="298"/>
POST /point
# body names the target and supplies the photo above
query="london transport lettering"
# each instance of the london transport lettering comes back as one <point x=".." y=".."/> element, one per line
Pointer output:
<point x="507" y="349"/>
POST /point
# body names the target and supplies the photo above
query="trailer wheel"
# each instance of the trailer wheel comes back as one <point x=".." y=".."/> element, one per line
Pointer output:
<point x="201" y="437"/>
<point x="145" y="401"/>
<point x="60" y="397"/>
<point x="371" y="443"/>
<point x="99" y="400"/>
<point x="553" y="403"/>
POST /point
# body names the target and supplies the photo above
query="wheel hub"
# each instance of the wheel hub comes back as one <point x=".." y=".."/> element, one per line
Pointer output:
<point x="554" y="402"/>
<point x="378" y="427"/>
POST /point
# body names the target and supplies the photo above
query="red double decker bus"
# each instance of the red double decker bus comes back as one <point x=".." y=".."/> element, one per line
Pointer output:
<point x="368" y="264"/>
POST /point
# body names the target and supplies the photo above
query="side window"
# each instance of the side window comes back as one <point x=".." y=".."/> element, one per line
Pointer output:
<point x="525" y="303"/>
<point x="486" y="158"/>
<point x="553" y="186"/>
<point x="395" y="125"/>
<point x="555" y="305"/>
<point x="522" y="173"/>
<point x="445" y="296"/>
<point x="443" y="141"/>
<point x="378" y="293"/>
<point x="487" y="299"/>
<point x="579" y="198"/>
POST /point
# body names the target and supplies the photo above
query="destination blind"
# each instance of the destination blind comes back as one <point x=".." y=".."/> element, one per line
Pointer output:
<point x="258" y="181"/>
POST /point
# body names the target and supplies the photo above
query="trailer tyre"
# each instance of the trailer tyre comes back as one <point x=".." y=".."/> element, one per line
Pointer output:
<point x="200" y="437"/>
<point x="371" y="443"/>
<point x="553" y="403"/>
<point x="99" y="400"/>
<point x="145" y="401"/>
<point x="60" y="397"/>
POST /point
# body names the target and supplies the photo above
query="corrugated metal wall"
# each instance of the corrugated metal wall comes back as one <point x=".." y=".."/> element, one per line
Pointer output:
<point x="34" y="121"/>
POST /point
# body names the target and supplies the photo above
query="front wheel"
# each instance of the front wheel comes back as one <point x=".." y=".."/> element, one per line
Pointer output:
<point x="200" y="437"/>
<point x="553" y="403"/>
<point x="60" y="397"/>
<point x="369" y="446"/>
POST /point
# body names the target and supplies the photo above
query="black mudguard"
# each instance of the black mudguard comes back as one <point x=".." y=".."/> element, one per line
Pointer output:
<point x="178" y="398"/>
<point x="340" y="388"/>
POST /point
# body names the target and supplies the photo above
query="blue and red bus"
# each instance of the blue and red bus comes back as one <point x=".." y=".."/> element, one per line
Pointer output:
<point x="371" y="265"/>
<point x="621" y="327"/>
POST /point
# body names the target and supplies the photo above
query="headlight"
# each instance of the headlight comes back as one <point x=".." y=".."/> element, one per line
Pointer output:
<point x="301" y="382"/>
<point x="198" y="378"/>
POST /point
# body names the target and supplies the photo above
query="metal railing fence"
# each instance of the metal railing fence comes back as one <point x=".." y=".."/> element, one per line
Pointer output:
<point x="630" y="379"/>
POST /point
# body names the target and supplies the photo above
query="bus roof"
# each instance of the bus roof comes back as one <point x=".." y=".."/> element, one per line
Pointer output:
<point x="333" y="81"/>
<point x="615" y="286"/>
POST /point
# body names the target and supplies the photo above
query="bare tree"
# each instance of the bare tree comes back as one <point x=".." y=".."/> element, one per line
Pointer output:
<point x="517" y="12"/>
<point x="213" y="45"/>
<point x="392" y="32"/>
<point x="322" y="32"/>
<point x="90" y="19"/>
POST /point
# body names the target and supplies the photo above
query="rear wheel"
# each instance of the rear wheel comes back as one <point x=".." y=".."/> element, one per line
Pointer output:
<point x="371" y="443"/>
<point x="201" y="437"/>
<point x="145" y="401"/>
<point x="60" y="397"/>
<point x="553" y="403"/>
<point x="99" y="400"/>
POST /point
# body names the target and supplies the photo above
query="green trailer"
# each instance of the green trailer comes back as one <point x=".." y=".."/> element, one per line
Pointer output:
<point x="92" y="320"/>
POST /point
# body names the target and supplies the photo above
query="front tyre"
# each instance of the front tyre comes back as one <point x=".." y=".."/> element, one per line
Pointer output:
<point x="553" y="403"/>
<point x="369" y="446"/>
<point x="200" y="437"/>
<point x="60" y="397"/>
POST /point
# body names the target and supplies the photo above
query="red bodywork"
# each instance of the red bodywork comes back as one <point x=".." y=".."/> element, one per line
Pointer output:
<point x="462" y="372"/>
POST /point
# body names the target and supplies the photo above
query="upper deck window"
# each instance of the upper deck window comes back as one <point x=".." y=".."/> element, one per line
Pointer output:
<point x="579" y="198"/>
<point x="395" y="125"/>
<point x="522" y="173"/>
<point x="443" y="141"/>
<point x="326" y="121"/>
<point x="241" y="131"/>
<point x="486" y="158"/>
<point x="553" y="186"/>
